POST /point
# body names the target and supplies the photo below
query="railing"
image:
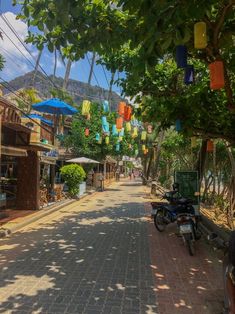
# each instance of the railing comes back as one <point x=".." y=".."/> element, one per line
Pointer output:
<point x="9" y="113"/>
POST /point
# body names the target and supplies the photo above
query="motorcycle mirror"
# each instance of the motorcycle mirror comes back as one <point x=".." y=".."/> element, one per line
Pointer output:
<point x="212" y="236"/>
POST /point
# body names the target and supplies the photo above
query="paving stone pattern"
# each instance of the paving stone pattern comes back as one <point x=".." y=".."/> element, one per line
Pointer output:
<point x="91" y="256"/>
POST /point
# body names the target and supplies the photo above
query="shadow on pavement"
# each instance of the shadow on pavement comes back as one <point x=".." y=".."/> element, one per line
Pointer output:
<point x="109" y="260"/>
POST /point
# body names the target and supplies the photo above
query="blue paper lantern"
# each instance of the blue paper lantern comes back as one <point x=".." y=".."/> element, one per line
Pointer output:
<point x="114" y="130"/>
<point x="121" y="133"/>
<point x="117" y="147"/>
<point x="104" y="120"/>
<point x="106" y="128"/>
<point x="97" y="137"/>
<point x="105" y="106"/>
<point x="189" y="75"/>
<point x="181" y="56"/>
<point x="178" y="125"/>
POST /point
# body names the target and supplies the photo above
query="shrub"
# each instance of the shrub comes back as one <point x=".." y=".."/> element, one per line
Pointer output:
<point x="73" y="175"/>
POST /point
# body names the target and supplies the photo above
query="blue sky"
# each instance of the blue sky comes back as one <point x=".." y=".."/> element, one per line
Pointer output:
<point x="16" y="64"/>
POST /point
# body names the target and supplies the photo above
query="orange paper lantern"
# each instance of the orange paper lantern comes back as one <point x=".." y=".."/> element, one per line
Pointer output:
<point x="87" y="132"/>
<point x="216" y="75"/>
<point x="119" y="123"/>
<point x="127" y="113"/>
<point x="209" y="146"/>
<point x="121" y="108"/>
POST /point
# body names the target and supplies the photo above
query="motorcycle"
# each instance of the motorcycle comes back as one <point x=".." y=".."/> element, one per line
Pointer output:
<point x="187" y="226"/>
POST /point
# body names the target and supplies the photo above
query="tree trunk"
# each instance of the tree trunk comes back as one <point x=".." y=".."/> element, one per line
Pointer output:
<point x="214" y="169"/>
<point x="149" y="164"/>
<point x="157" y="152"/>
<point x="231" y="192"/>
<point x="110" y="89"/>
<point x="200" y="167"/>
<point x="55" y="66"/>
<point x="36" y="67"/>
<point x="67" y="73"/>
<point x="91" y="69"/>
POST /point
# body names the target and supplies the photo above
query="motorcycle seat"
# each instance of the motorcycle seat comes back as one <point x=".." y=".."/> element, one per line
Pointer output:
<point x="157" y="204"/>
<point x="184" y="201"/>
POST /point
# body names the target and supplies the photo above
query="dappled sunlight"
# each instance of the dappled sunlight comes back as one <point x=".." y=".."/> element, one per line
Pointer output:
<point x="36" y="284"/>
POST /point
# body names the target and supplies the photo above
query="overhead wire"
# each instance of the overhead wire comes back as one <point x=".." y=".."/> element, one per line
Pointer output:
<point x="30" y="62"/>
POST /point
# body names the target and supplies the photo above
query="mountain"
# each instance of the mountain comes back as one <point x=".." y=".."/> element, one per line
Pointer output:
<point x="77" y="89"/>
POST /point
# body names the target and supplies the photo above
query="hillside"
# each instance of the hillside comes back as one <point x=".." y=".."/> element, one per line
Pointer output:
<point x="77" y="89"/>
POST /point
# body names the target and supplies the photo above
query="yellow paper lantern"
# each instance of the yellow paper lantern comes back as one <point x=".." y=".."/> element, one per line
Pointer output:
<point x="128" y="126"/>
<point x="143" y="135"/>
<point x="107" y="140"/>
<point x="135" y="132"/>
<point x="200" y="39"/>
<point x="120" y="138"/>
<point x="193" y="141"/>
<point x="86" y="106"/>
<point x="143" y="147"/>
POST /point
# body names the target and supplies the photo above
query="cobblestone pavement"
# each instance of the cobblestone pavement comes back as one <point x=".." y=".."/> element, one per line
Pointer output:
<point x="103" y="255"/>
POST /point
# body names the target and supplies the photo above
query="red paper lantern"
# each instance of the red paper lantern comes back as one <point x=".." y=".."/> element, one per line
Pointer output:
<point x="216" y="75"/>
<point x="209" y="146"/>
<point x="119" y="123"/>
<point x="87" y="132"/>
<point x="127" y="113"/>
<point x="121" y="108"/>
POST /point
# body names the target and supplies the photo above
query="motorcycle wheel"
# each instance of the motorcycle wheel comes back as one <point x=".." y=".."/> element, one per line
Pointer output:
<point x="190" y="245"/>
<point x="159" y="222"/>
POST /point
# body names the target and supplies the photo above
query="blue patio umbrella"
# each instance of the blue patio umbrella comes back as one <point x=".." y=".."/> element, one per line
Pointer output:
<point x="37" y="116"/>
<point x="55" y="106"/>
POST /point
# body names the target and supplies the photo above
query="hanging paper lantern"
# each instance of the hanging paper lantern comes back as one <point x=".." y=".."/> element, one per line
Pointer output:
<point x="135" y="132"/>
<point x="178" y="125"/>
<point x="128" y="126"/>
<point x="193" y="142"/>
<point x="181" y="56"/>
<point x="119" y="123"/>
<point x="117" y="147"/>
<point x="121" y="108"/>
<point x="216" y="75"/>
<point x="121" y="133"/>
<point x="200" y="39"/>
<point x="149" y="128"/>
<point x="87" y="132"/>
<point x="189" y="75"/>
<point x="145" y="152"/>
<point x="105" y="128"/>
<point x="120" y="138"/>
<point x="114" y="130"/>
<point x="136" y="152"/>
<point x="86" y="106"/>
<point x="107" y="140"/>
<point x="97" y="137"/>
<point x="104" y="120"/>
<point x="88" y="117"/>
<point x="143" y="135"/>
<point x="127" y="113"/>
<point x="209" y="146"/>
<point x="143" y="147"/>
<point x="105" y="106"/>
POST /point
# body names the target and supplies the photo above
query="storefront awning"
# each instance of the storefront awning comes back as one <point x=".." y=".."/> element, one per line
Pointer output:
<point x="13" y="151"/>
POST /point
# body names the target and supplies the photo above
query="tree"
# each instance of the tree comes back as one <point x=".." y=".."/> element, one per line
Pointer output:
<point x="88" y="146"/>
<point x="26" y="98"/>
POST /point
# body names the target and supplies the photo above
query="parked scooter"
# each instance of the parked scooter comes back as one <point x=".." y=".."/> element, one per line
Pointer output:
<point x="187" y="226"/>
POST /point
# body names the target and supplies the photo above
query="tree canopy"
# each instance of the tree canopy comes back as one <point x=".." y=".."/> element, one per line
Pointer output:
<point x="140" y="37"/>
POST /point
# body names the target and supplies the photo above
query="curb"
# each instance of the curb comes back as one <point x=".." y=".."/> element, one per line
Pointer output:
<point x="4" y="232"/>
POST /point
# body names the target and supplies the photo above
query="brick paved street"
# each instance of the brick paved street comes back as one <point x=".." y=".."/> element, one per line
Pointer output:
<point x="103" y="255"/>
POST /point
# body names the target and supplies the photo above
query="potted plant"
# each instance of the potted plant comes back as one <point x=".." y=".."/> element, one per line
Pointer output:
<point x="73" y="175"/>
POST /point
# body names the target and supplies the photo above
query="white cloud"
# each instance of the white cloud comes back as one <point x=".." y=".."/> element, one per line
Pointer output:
<point x="15" y="64"/>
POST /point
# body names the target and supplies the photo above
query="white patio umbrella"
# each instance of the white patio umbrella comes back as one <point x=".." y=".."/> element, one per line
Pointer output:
<point x="82" y="160"/>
